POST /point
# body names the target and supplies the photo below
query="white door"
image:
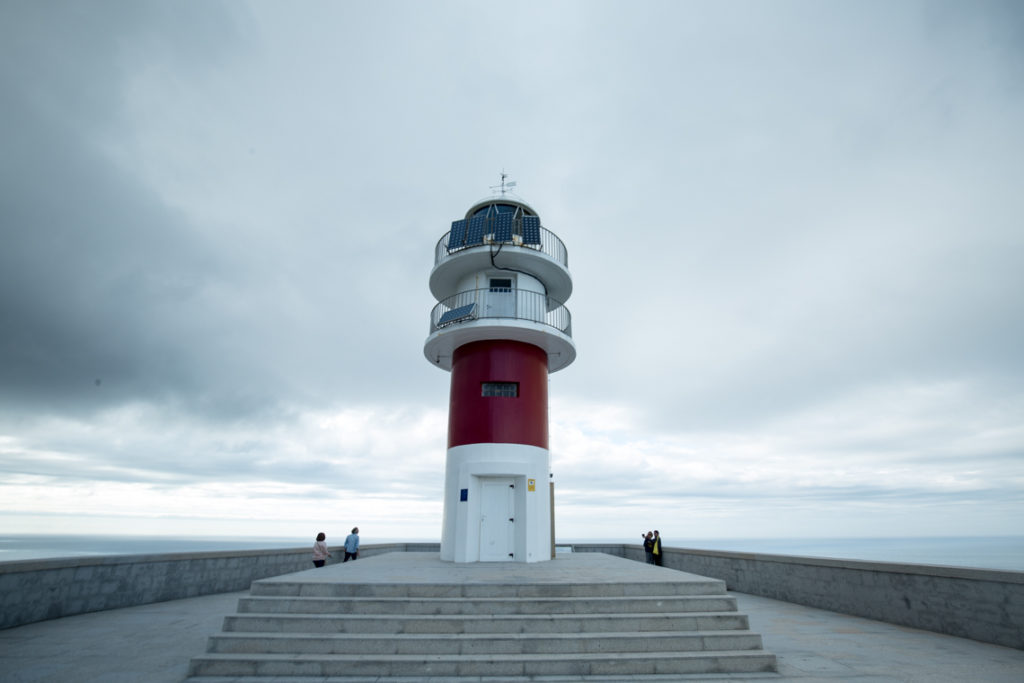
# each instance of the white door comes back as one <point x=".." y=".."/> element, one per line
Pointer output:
<point x="497" y="519"/>
<point x="501" y="298"/>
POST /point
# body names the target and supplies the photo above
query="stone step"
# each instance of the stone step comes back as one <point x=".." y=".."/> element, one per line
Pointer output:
<point x="612" y="664"/>
<point x="472" y="623"/>
<point x="269" y="587"/>
<point x="636" y="678"/>
<point x="506" y="643"/>
<point x="587" y="605"/>
<point x="578" y="618"/>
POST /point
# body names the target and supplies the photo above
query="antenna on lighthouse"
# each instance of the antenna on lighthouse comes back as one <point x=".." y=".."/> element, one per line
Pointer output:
<point x="505" y="186"/>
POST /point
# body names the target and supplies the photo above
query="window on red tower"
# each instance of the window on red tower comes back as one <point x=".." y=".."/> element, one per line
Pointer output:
<point x="500" y="389"/>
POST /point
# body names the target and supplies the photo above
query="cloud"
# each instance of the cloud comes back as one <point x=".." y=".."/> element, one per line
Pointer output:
<point x="793" y="232"/>
<point x="901" y="452"/>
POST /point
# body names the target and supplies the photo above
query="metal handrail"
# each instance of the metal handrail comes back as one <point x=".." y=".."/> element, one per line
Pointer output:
<point x="508" y="303"/>
<point x="550" y="245"/>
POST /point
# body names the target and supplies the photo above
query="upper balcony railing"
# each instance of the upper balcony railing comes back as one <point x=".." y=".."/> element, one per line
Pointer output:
<point x="501" y="302"/>
<point x="548" y="243"/>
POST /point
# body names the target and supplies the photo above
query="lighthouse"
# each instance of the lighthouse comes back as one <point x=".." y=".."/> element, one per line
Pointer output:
<point x="501" y="279"/>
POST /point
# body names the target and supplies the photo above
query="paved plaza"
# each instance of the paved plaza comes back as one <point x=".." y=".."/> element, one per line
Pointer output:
<point x="154" y="643"/>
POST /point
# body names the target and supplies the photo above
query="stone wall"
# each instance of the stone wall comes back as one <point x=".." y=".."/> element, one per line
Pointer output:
<point x="35" y="590"/>
<point x="981" y="604"/>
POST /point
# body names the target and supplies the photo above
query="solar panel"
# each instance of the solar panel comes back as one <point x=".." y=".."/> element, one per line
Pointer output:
<point x="531" y="229"/>
<point x="456" y="314"/>
<point x="457" y="237"/>
<point x="475" y="234"/>
<point x="503" y="228"/>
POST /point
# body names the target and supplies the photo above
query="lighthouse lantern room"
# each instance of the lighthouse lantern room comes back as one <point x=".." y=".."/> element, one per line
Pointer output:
<point x="500" y="326"/>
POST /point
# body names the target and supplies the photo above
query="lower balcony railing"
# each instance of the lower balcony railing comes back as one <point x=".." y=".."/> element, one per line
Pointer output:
<point x="500" y="302"/>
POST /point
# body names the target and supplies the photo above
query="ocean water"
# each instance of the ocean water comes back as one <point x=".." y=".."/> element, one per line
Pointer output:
<point x="39" y="547"/>
<point x="983" y="552"/>
<point x="988" y="552"/>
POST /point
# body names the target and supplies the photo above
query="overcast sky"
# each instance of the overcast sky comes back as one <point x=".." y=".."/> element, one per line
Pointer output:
<point x="795" y="231"/>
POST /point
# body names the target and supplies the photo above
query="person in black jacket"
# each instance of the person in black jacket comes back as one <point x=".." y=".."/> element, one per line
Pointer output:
<point x="648" y="546"/>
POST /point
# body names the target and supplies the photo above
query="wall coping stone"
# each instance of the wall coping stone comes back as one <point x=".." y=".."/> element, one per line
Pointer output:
<point x="946" y="571"/>
<point x="106" y="560"/>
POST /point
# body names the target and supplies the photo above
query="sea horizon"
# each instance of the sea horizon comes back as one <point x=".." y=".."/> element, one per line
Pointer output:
<point x="979" y="552"/>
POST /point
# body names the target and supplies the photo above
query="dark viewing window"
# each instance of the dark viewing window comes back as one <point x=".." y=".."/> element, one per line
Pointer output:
<point x="503" y="389"/>
<point x="501" y="284"/>
<point x="493" y="209"/>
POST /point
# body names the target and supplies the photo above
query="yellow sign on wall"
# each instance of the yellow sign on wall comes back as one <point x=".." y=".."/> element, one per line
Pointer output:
<point x="531" y="484"/>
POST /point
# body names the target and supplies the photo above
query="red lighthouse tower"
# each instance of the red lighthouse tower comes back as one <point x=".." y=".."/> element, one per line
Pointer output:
<point x="500" y="326"/>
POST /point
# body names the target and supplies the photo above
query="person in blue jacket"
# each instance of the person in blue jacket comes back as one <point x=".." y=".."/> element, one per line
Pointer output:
<point x="648" y="547"/>
<point x="352" y="545"/>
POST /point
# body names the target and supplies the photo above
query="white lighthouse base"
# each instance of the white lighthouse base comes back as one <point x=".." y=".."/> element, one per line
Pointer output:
<point x="497" y="505"/>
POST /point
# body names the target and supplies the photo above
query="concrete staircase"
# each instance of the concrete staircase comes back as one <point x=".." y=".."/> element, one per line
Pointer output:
<point x="513" y="629"/>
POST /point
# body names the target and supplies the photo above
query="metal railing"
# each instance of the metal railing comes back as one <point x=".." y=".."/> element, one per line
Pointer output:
<point x="503" y="302"/>
<point x="550" y="245"/>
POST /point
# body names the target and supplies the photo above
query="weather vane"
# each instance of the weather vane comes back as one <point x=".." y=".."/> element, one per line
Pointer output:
<point x="505" y="186"/>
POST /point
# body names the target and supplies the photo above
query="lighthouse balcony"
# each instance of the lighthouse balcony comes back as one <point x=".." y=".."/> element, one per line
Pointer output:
<point x="521" y="245"/>
<point x="521" y="234"/>
<point x="514" y="304"/>
<point x="489" y="313"/>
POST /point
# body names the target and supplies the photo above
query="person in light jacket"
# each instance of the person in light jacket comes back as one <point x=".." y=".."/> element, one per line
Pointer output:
<point x="352" y="545"/>
<point x="320" y="552"/>
<point x="656" y="548"/>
